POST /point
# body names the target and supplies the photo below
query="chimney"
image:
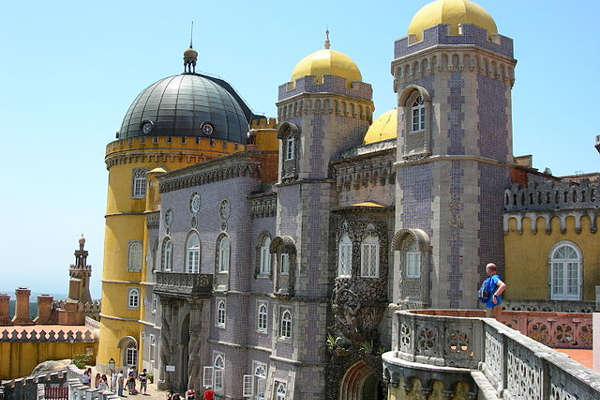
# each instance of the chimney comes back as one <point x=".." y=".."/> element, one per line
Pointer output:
<point x="4" y="303"/>
<point x="44" y="303"/>
<point x="22" y="307"/>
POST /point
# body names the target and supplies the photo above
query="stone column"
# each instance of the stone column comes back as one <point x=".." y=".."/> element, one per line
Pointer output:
<point x="195" y="346"/>
<point x="44" y="309"/>
<point x="22" y="307"/>
<point x="164" y="378"/>
<point x="4" y="305"/>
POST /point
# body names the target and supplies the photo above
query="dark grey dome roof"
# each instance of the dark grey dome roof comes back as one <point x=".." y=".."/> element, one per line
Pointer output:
<point x="178" y="106"/>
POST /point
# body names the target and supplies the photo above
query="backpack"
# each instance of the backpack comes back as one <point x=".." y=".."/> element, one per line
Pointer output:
<point x="485" y="291"/>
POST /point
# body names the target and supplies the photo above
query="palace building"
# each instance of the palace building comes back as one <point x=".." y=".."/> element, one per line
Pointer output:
<point x="260" y="256"/>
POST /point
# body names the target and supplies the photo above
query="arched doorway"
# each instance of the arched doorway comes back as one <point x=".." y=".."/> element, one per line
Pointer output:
<point x="129" y="352"/>
<point x="359" y="383"/>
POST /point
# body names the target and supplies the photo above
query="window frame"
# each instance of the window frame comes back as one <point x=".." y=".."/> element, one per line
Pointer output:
<point x="286" y="326"/>
<point x="412" y="249"/>
<point x="265" y="259"/>
<point x="221" y="313"/>
<point x="130" y="296"/>
<point x="259" y="327"/>
<point x="290" y="148"/>
<point x="278" y="395"/>
<point x="366" y="253"/>
<point x="189" y="254"/>
<point x="224" y="262"/>
<point x="166" y="256"/>
<point x="565" y="262"/>
<point x="418" y="109"/>
<point x="257" y="378"/>
<point x="135" y="256"/>
<point x="138" y="183"/>
<point x="218" y="370"/>
<point x="131" y="352"/>
<point x="345" y="257"/>
<point x="284" y="264"/>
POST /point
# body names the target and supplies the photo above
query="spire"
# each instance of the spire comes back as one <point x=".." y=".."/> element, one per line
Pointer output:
<point x="190" y="56"/>
<point x="327" y="44"/>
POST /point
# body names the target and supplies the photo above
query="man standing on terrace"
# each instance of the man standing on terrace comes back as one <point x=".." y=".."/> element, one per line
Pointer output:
<point x="491" y="292"/>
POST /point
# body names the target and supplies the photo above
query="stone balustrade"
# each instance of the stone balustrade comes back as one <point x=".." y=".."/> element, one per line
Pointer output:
<point x="183" y="285"/>
<point x="474" y="357"/>
<point x="79" y="391"/>
<point x="552" y="196"/>
<point x="551" y="306"/>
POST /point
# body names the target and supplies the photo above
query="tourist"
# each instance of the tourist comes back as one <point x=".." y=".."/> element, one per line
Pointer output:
<point x="97" y="380"/>
<point x="103" y="384"/>
<point x="491" y="292"/>
<point x="176" y="397"/>
<point x="86" y="377"/>
<point x="121" y="383"/>
<point x="113" y="381"/>
<point x="131" y="384"/>
<point x="209" y="394"/>
<point x="143" y="380"/>
<point x="190" y="394"/>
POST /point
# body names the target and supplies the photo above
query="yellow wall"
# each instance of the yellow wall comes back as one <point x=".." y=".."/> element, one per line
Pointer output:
<point x="126" y="220"/>
<point x="18" y="359"/>
<point x="527" y="255"/>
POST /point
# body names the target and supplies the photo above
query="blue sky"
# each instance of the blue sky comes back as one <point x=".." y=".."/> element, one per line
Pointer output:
<point x="69" y="70"/>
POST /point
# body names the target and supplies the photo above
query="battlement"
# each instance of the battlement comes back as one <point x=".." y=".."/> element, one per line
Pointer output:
<point x="263" y="123"/>
<point x="175" y="143"/>
<point x="86" y="308"/>
<point x="330" y="85"/>
<point x="20" y="334"/>
<point x="552" y="196"/>
<point x="469" y="35"/>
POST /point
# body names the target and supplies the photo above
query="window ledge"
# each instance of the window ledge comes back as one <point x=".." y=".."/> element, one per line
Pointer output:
<point x="263" y="276"/>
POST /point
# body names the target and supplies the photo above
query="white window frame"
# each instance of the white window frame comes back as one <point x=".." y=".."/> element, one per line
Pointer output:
<point x="417" y="113"/>
<point x="134" y="255"/>
<point x="152" y="349"/>
<point x="260" y="379"/>
<point x="259" y="327"/>
<point x="166" y="262"/>
<point x="369" y="257"/>
<point x="192" y="254"/>
<point x="565" y="262"/>
<point x="290" y="148"/>
<point x="133" y="298"/>
<point x="248" y="386"/>
<point x="219" y="372"/>
<point x="412" y="260"/>
<point x="280" y="390"/>
<point x="154" y="303"/>
<point x="131" y="353"/>
<point x="265" y="257"/>
<point x="286" y="325"/>
<point x="224" y="254"/>
<point x="208" y="376"/>
<point x="284" y="264"/>
<point x="221" y="313"/>
<point x="138" y="183"/>
<point x="345" y="257"/>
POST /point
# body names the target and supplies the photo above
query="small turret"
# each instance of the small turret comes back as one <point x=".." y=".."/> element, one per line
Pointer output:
<point x="80" y="273"/>
<point x="190" y="56"/>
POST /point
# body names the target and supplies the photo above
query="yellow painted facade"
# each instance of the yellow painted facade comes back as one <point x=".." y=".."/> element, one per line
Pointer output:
<point x="126" y="221"/>
<point x="527" y="256"/>
<point x="18" y="359"/>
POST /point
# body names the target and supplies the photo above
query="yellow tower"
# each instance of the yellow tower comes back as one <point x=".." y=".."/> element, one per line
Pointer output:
<point x="176" y="122"/>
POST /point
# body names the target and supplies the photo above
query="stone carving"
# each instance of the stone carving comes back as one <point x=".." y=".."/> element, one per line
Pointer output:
<point x="405" y="338"/>
<point x="416" y="390"/>
<point x="524" y="378"/>
<point x="558" y="393"/>
<point x="426" y="340"/>
<point x="494" y="359"/>
<point x="195" y="361"/>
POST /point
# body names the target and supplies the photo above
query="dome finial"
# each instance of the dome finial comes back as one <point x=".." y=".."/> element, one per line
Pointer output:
<point x="327" y="44"/>
<point x="190" y="56"/>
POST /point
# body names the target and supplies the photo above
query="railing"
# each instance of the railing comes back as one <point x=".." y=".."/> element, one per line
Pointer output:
<point x="552" y="196"/>
<point x="516" y="366"/>
<point x="550" y="306"/>
<point x="186" y="285"/>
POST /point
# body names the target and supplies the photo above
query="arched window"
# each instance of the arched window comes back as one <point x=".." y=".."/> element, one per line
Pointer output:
<point x="224" y="250"/>
<point x="219" y="366"/>
<point x="260" y="377"/>
<point x="281" y="390"/>
<point x="133" y="298"/>
<point x="131" y="355"/>
<point x="221" y="313"/>
<point x="166" y="262"/>
<point x="345" y="257"/>
<point x="284" y="264"/>
<point x="285" y="330"/>
<point x="134" y="256"/>
<point x="265" y="257"/>
<point x="138" y="184"/>
<point x="290" y="148"/>
<point x="566" y="266"/>
<point x="413" y="260"/>
<point x="370" y="257"/>
<point x="261" y="319"/>
<point x="418" y="115"/>
<point x="192" y="255"/>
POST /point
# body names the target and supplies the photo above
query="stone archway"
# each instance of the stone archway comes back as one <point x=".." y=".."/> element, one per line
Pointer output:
<point x="359" y="383"/>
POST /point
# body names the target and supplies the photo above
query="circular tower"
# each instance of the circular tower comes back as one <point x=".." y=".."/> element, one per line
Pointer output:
<point x="176" y="122"/>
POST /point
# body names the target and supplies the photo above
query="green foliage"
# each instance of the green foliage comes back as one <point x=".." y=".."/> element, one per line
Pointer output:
<point x="82" y="360"/>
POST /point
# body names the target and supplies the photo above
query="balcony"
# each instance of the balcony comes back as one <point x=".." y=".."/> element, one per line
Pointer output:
<point x="462" y="352"/>
<point x="184" y="285"/>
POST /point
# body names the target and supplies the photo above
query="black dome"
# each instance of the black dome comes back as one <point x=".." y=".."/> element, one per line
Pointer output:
<point x="178" y="106"/>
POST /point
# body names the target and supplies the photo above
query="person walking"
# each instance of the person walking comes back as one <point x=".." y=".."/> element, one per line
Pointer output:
<point x="113" y="381"/>
<point x="491" y="291"/>
<point x="209" y="394"/>
<point x="86" y="378"/>
<point x="143" y="381"/>
<point x="131" y="384"/>
<point x="190" y="394"/>
<point x="120" y="383"/>
<point x="103" y="385"/>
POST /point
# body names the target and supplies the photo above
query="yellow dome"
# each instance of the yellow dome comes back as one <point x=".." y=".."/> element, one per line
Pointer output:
<point x="385" y="127"/>
<point x="452" y="13"/>
<point x="327" y="62"/>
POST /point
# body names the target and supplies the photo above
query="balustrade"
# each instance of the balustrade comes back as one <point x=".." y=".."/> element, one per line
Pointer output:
<point x="184" y="285"/>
